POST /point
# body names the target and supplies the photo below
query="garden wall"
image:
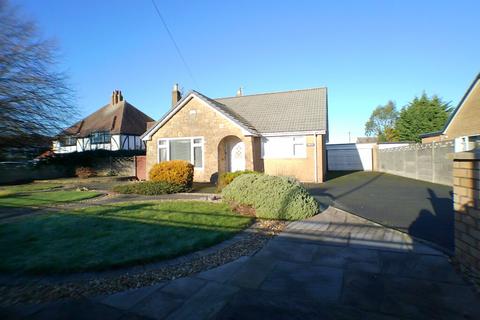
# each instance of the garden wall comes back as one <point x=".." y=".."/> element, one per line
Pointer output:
<point x="427" y="162"/>
<point x="117" y="166"/>
<point x="466" y="188"/>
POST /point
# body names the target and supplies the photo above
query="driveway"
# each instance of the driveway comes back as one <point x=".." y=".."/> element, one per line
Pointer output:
<point x="332" y="266"/>
<point x="422" y="209"/>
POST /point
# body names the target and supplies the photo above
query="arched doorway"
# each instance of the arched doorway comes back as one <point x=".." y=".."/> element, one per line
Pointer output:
<point x="231" y="154"/>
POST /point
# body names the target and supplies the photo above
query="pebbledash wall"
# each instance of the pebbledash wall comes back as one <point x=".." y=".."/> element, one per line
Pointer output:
<point x="466" y="188"/>
<point x="427" y="162"/>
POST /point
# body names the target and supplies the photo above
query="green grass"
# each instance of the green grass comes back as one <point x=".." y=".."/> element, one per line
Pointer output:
<point x="104" y="237"/>
<point x="36" y="199"/>
<point x="29" y="187"/>
<point x="204" y="187"/>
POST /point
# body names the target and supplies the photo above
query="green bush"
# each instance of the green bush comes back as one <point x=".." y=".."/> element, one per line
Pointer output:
<point x="227" y="177"/>
<point x="178" y="172"/>
<point x="149" y="188"/>
<point x="272" y="197"/>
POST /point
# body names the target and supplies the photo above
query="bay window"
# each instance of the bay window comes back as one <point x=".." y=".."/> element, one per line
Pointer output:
<point x="188" y="149"/>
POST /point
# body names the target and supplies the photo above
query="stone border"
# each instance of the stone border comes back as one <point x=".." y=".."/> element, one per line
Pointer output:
<point x="15" y="290"/>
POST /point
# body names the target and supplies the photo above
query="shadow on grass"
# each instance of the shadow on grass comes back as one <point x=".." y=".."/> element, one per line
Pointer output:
<point x="82" y="241"/>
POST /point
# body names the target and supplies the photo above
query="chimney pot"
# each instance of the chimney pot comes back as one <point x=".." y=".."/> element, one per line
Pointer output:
<point x="116" y="96"/>
<point x="176" y="95"/>
<point x="240" y="92"/>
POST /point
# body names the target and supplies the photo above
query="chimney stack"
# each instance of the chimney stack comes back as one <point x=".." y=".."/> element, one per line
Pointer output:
<point x="176" y="95"/>
<point x="116" y="97"/>
<point x="240" y="92"/>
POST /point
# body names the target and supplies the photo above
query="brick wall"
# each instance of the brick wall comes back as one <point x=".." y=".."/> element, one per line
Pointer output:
<point x="466" y="188"/>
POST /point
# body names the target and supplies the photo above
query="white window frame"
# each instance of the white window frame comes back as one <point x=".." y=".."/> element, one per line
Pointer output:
<point x="295" y="140"/>
<point x="192" y="146"/>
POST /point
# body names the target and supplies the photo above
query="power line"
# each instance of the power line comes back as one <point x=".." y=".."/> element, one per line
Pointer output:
<point x="175" y="44"/>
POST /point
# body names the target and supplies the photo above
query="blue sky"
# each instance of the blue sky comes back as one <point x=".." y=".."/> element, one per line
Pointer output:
<point x="365" y="52"/>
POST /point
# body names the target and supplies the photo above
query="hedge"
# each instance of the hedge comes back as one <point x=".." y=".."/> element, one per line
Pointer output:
<point x="272" y="197"/>
<point x="227" y="177"/>
<point x="149" y="188"/>
<point x="177" y="172"/>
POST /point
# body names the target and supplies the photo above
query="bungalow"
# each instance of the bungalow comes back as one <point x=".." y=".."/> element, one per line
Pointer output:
<point x="281" y="133"/>
<point x="464" y="122"/>
<point x="116" y="126"/>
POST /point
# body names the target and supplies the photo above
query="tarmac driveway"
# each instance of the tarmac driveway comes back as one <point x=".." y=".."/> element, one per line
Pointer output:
<point x="422" y="209"/>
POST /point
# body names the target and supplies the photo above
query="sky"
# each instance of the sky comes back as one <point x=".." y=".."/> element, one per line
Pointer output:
<point x="364" y="52"/>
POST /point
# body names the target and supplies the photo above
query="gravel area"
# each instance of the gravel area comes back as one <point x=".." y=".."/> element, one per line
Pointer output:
<point x="14" y="290"/>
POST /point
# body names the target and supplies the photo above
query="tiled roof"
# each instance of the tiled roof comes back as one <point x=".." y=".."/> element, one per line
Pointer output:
<point x="120" y="118"/>
<point x="289" y="111"/>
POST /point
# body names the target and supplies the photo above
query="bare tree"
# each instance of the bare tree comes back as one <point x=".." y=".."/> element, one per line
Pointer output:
<point x="35" y="99"/>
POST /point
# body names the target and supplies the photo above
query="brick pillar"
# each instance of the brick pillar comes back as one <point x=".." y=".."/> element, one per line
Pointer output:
<point x="466" y="188"/>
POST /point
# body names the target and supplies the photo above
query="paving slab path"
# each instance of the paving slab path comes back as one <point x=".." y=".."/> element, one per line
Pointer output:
<point x="333" y="266"/>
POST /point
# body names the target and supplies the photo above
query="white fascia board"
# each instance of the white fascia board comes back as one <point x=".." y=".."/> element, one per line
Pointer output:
<point x="293" y="133"/>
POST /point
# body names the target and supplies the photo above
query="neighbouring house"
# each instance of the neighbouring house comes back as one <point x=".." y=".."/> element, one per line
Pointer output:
<point x="281" y="133"/>
<point x="464" y="122"/>
<point x="116" y="126"/>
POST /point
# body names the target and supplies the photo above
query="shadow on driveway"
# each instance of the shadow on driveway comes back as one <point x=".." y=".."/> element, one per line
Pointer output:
<point x="422" y="209"/>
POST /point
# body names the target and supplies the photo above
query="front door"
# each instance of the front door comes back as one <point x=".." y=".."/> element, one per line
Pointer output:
<point x="237" y="156"/>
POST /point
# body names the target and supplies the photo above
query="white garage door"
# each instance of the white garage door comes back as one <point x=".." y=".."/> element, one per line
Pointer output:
<point x="348" y="157"/>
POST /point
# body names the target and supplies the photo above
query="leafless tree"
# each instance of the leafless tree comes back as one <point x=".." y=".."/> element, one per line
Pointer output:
<point x="35" y="99"/>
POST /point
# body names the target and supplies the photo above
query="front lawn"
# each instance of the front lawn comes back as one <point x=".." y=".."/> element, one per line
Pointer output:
<point x="114" y="235"/>
<point x="29" y="187"/>
<point x="35" y="199"/>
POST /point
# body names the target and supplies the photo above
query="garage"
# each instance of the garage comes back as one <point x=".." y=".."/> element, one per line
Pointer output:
<point x="350" y="156"/>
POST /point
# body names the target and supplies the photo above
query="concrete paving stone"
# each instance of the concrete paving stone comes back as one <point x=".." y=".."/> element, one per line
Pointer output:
<point x="317" y="237"/>
<point x="223" y="273"/>
<point x="19" y="311"/>
<point x="370" y="267"/>
<point x="300" y="280"/>
<point x="282" y="250"/>
<point x="333" y="256"/>
<point x="429" y="299"/>
<point x="133" y="316"/>
<point x="127" y="299"/>
<point x="157" y="305"/>
<point x="363" y="290"/>
<point x="77" y="310"/>
<point x="258" y="304"/>
<point x="183" y="287"/>
<point x="418" y="266"/>
<point x="253" y="272"/>
<point x="205" y="303"/>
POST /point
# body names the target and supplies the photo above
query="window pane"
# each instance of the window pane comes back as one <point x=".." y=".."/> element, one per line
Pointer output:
<point x="162" y="142"/>
<point x="163" y="154"/>
<point x="180" y="150"/>
<point x="197" y="157"/>
<point x="197" y="141"/>
<point x="106" y="137"/>
<point x="299" y="150"/>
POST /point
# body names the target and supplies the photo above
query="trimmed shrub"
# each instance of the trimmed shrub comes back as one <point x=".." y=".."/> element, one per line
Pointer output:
<point x="272" y="197"/>
<point x="177" y="172"/>
<point x="149" y="188"/>
<point x="85" y="172"/>
<point x="227" y="177"/>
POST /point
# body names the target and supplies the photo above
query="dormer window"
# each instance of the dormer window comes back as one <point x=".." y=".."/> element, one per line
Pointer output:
<point x="100" y="137"/>
<point x="68" y="141"/>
